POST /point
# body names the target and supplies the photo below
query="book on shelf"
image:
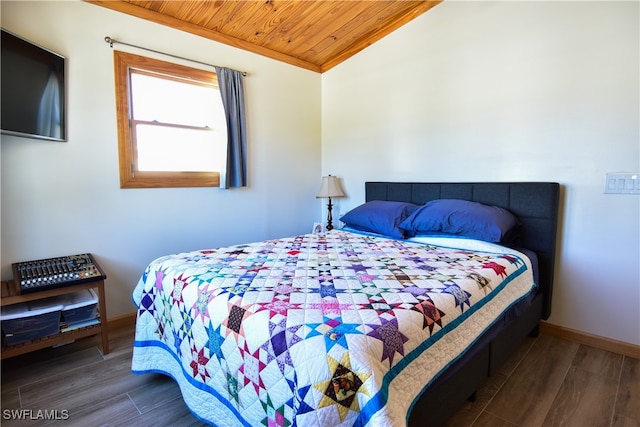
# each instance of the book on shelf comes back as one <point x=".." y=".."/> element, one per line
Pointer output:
<point x="71" y="326"/>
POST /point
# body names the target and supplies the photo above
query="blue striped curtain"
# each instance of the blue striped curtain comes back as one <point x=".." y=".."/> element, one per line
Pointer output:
<point x="232" y="92"/>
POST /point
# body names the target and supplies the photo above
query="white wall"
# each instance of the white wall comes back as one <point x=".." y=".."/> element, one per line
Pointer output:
<point x="64" y="198"/>
<point x="498" y="91"/>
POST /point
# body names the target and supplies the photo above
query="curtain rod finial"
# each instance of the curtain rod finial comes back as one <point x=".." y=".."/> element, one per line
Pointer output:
<point x="109" y="40"/>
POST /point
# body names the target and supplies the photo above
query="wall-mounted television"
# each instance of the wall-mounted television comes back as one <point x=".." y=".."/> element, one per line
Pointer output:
<point x="33" y="93"/>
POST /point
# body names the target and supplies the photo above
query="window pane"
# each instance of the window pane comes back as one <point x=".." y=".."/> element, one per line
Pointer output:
<point x="171" y="101"/>
<point x="170" y="120"/>
<point x="167" y="149"/>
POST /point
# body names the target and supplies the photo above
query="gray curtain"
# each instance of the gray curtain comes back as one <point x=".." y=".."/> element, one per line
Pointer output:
<point x="232" y="92"/>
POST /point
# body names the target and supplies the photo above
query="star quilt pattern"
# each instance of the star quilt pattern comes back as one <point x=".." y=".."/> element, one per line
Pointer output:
<point x="318" y="329"/>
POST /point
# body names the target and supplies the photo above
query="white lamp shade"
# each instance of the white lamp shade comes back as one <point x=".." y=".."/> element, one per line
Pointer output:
<point x="330" y="187"/>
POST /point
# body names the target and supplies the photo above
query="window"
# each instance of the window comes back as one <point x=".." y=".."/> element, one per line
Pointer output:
<point x="171" y="124"/>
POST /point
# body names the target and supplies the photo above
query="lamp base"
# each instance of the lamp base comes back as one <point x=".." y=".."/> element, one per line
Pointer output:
<point x="329" y="217"/>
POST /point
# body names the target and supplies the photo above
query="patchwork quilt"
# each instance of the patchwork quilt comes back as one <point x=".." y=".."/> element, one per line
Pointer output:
<point x="334" y="329"/>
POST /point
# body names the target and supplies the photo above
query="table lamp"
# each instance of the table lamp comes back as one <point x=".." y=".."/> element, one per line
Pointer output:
<point x="329" y="188"/>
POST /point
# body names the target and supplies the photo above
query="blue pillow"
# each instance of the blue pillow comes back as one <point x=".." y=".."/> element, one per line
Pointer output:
<point x="463" y="218"/>
<point x="379" y="216"/>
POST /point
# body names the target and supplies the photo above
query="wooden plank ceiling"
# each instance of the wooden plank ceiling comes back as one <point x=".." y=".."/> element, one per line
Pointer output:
<point x="315" y="35"/>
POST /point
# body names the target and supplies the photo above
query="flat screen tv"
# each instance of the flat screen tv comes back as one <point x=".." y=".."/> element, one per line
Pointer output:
<point x="33" y="93"/>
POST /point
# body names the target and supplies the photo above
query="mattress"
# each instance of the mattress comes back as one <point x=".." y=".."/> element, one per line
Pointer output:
<point x="335" y="329"/>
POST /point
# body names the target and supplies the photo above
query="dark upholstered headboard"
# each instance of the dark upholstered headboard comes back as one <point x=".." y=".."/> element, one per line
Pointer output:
<point x="534" y="203"/>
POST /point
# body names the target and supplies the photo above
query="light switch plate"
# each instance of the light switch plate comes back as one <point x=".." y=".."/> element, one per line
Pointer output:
<point x="622" y="183"/>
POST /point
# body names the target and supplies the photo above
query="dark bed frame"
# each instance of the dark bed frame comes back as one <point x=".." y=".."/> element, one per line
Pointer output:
<point x="536" y="205"/>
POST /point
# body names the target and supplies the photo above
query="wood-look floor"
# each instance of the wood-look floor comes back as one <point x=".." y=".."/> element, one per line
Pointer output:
<point x="547" y="382"/>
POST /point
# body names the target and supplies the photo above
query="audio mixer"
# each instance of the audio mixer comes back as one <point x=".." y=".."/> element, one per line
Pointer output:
<point x="50" y="273"/>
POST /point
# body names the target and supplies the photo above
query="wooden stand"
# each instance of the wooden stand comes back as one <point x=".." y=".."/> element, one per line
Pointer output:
<point x="9" y="298"/>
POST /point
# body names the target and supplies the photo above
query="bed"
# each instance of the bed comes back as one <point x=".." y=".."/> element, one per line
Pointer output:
<point x="357" y="326"/>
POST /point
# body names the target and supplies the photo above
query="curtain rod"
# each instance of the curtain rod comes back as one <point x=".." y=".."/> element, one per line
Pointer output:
<point x="111" y="42"/>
